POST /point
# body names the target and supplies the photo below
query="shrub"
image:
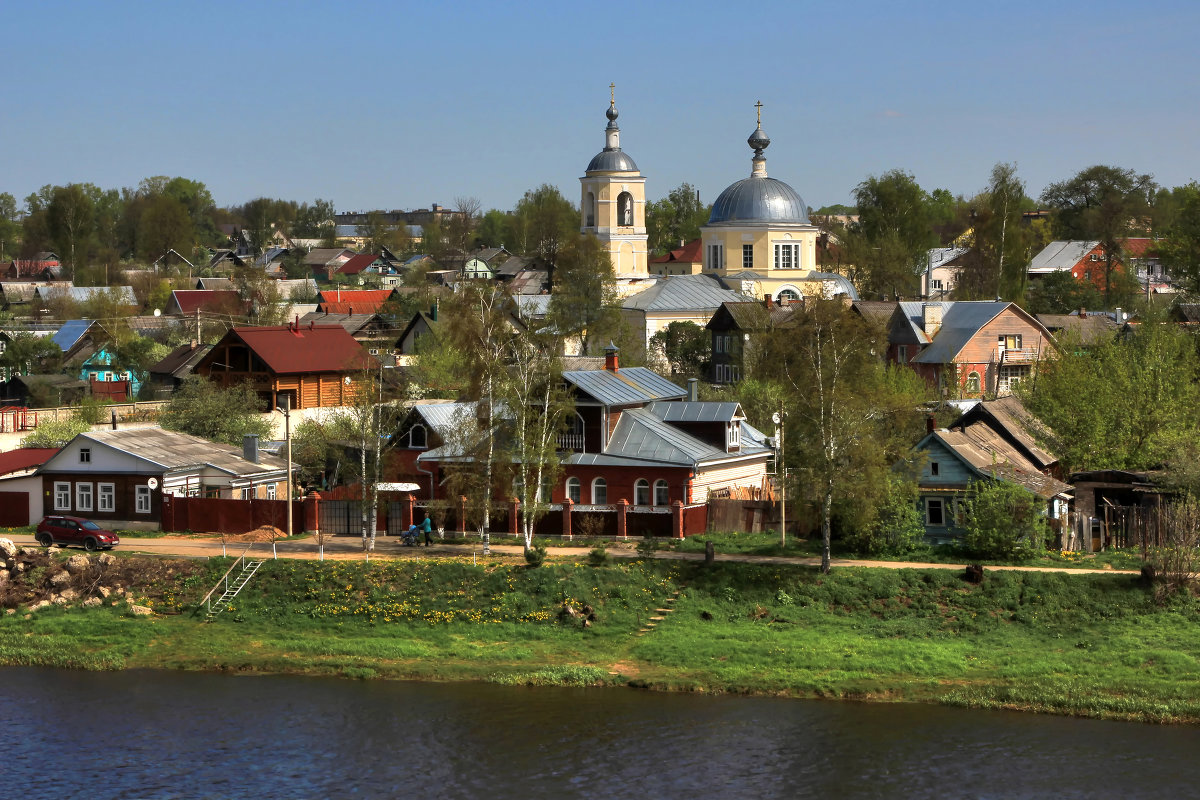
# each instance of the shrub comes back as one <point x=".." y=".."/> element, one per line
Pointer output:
<point x="56" y="433"/>
<point x="1176" y="565"/>
<point x="598" y="557"/>
<point x="1003" y="521"/>
<point x="535" y="556"/>
<point x="588" y="525"/>
<point x="896" y="527"/>
<point x="647" y="547"/>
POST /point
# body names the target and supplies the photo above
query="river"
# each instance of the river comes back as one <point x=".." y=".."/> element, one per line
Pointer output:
<point x="141" y="734"/>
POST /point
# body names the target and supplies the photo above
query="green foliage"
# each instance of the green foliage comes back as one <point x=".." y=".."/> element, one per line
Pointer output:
<point x="1180" y="252"/>
<point x="535" y="556"/>
<point x="685" y="347"/>
<point x="676" y="218"/>
<point x="31" y="355"/>
<point x="584" y="303"/>
<point x="896" y="527"/>
<point x="201" y="408"/>
<point x="1061" y="292"/>
<point x="542" y="223"/>
<point x="1004" y="521"/>
<point x="598" y="555"/>
<point x="888" y="244"/>
<point x="56" y="433"/>
<point x="1128" y="403"/>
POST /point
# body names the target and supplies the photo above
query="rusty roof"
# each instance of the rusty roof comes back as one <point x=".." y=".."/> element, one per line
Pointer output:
<point x="989" y="455"/>
<point x="292" y="349"/>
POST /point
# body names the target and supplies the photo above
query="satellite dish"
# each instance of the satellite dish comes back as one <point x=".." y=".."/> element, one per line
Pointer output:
<point x="775" y="418"/>
<point x="158" y="312"/>
<point x="152" y="483"/>
<point x="346" y="380"/>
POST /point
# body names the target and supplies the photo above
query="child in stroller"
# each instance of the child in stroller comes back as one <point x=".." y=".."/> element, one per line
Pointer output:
<point x="410" y="537"/>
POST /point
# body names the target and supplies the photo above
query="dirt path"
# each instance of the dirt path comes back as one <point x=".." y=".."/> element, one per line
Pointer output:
<point x="349" y="548"/>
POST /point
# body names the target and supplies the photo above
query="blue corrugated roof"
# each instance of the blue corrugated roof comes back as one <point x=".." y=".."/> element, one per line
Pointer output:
<point x="697" y="411"/>
<point x="71" y="332"/>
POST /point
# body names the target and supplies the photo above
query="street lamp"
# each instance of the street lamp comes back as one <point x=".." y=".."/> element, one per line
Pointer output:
<point x="286" y="410"/>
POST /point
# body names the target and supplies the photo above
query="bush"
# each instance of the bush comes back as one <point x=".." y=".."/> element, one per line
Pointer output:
<point x="588" y="525"/>
<point x="647" y="547"/>
<point x="896" y="527"/>
<point x="1004" y="521"/>
<point x="598" y="557"/>
<point x="1176" y="565"/>
<point x="535" y="556"/>
<point x="56" y="433"/>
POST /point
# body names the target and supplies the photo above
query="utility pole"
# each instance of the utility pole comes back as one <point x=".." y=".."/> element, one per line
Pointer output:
<point x="778" y="418"/>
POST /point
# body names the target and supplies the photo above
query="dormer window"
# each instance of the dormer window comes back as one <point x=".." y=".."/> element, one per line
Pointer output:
<point x="734" y="435"/>
<point x="417" y="437"/>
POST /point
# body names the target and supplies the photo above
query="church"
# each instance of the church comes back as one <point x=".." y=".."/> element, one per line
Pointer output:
<point x="758" y="241"/>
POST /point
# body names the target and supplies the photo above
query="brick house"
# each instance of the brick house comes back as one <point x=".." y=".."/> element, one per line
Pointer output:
<point x="1084" y="260"/>
<point x="968" y="348"/>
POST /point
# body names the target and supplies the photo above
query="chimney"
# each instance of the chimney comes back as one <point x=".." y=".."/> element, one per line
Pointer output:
<point x="610" y="357"/>
<point x="1082" y="312"/>
<point x="770" y="301"/>
<point x="930" y="423"/>
<point x="693" y="389"/>
<point x="433" y="311"/>
<point x="250" y="447"/>
<point x="931" y="318"/>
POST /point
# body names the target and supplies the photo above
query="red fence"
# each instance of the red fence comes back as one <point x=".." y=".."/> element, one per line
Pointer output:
<point x="212" y="514"/>
<point x="14" y="509"/>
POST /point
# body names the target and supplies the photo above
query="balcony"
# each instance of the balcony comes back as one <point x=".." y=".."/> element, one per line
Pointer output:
<point x="1016" y="355"/>
<point x="571" y="441"/>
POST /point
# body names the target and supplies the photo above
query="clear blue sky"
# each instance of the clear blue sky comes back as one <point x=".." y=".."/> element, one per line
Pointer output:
<point x="397" y="105"/>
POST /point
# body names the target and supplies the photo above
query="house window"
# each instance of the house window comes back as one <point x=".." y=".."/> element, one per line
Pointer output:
<point x="734" y="434"/>
<point x="417" y="437"/>
<point x="641" y="492"/>
<point x="747" y="256"/>
<point x="662" y="495"/>
<point x="106" y="497"/>
<point x="937" y="285"/>
<point x="142" y="504"/>
<point x="902" y="354"/>
<point x="718" y="343"/>
<point x="935" y="513"/>
<point x="1009" y="377"/>
<point x="270" y="491"/>
<point x="788" y="296"/>
<point x="599" y="492"/>
<point x="85" y="455"/>
<point x="574" y="488"/>
<point x="1095" y="257"/>
<point x="62" y="496"/>
<point x="787" y="256"/>
<point x="83" y="497"/>
<point x="934" y="469"/>
<point x="973" y="383"/>
<point x="715" y="253"/>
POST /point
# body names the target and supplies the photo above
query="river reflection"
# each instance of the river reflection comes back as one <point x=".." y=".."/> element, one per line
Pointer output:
<point x="178" y="735"/>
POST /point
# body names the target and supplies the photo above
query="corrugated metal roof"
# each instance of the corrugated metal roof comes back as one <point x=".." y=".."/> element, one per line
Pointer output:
<point x="307" y="349"/>
<point x="641" y="435"/>
<point x="695" y="411"/>
<point x="993" y="458"/>
<point x="684" y="293"/>
<point x="192" y="300"/>
<point x="629" y="386"/>
<point x="1058" y="256"/>
<point x="940" y="256"/>
<point x="70" y="333"/>
<point x="172" y="450"/>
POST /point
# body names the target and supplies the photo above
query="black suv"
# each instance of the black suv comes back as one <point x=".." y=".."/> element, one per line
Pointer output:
<point x="58" y="529"/>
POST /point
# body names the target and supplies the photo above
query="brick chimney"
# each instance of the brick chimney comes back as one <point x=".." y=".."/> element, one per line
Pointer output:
<point x="931" y="318"/>
<point x="610" y="357"/>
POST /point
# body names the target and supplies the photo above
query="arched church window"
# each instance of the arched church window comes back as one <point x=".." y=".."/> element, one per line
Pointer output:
<point x="625" y="209"/>
<point x="590" y="210"/>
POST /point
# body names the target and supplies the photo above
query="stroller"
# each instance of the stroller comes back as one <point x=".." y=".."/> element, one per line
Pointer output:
<point x="410" y="537"/>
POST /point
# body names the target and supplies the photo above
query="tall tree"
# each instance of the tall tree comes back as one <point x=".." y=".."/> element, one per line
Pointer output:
<point x="1180" y="249"/>
<point x="849" y="415"/>
<point x="583" y="301"/>
<point x="10" y="229"/>
<point x="675" y="218"/>
<point x="202" y="408"/>
<point x="70" y="216"/>
<point x="684" y="347"/>
<point x="1103" y="203"/>
<point x="544" y="222"/>
<point x="1001" y="242"/>
<point x="893" y="234"/>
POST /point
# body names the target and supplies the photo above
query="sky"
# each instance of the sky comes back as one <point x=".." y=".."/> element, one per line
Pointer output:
<point x="396" y="105"/>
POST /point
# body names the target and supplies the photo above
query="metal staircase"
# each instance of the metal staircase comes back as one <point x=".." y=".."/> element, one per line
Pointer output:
<point x="232" y="587"/>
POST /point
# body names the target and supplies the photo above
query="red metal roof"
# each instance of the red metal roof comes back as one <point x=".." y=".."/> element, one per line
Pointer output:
<point x="294" y="349"/>
<point x="25" y="458"/>
<point x="358" y="264"/>
<point x="688" y="254"/>
<point x="362" y="301"/>
<point x="192" y="300"/>
<point x="1138" y="247"/>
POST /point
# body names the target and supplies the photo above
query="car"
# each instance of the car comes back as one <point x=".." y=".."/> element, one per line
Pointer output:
<point x="58" y="529"/>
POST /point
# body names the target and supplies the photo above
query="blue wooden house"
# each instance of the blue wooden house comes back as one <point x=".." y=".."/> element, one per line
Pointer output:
<point x="978" y="447"/>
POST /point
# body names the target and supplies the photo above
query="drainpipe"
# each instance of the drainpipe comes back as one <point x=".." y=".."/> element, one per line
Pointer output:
<point x="432" y="490"/>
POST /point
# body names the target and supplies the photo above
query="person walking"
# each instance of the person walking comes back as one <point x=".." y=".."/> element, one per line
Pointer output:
<point x="427" y="526"/>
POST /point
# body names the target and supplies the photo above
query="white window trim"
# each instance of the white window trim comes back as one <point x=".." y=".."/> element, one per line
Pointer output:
<point x="103" y="490"/>
<point x="577" y="485"/>
<point x="62" y="496"/>
<point x="596" y="484"/>
<point x="640" y="485"/>
<point x="142" y="504"/>
<point x="84" y="496"/>
<point x="666" y="499"/>
<point x="270" y="491"/>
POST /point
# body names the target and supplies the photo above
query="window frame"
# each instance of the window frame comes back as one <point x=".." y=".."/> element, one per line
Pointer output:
<point x="142" y="493"/>
<point x="108" y="490"/>
<point x="641" y="492"/>
<point x="62" y="495"/>
<point x="574" y="490"/>
<point x="747" y="256"/>
<point x="85" y="455"/>
<point x="599" y="491"/>
<point x="663" y="499"/>
<point x="85" y="496"/>
<point x="930" y="504"/>
<point x="412" y="442"/>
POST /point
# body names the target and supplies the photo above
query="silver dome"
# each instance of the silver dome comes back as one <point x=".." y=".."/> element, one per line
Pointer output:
<point x="611" y="161"/>
<point x="759" y="200"/>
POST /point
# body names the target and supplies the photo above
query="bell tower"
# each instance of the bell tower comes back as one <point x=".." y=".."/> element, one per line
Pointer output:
<point x="613" y="202"/>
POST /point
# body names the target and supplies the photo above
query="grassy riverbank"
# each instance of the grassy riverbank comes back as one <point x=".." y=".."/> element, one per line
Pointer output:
<point x="1077" y="644"/>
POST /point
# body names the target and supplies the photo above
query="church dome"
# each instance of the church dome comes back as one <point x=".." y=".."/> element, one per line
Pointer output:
<point x="759" y="200"/>
<point x="611" y="161"/>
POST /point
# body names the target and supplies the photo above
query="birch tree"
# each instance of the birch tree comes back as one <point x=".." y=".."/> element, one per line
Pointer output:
<point x="849" y="416"/>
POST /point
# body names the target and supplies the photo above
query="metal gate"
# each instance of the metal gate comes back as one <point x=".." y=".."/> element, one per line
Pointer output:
<point x="341" y="517"/>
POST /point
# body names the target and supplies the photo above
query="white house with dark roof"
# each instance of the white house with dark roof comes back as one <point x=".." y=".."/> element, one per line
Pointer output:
<point x="679" y="298"/>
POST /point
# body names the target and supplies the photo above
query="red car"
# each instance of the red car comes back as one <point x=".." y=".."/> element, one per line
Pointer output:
<point x="75" y="530"/>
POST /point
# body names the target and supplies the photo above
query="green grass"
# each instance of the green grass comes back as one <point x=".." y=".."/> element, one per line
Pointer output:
<point x="1092" y="645"/>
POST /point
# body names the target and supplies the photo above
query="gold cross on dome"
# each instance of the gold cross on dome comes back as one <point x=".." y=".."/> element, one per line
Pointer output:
<point x="758" y="110"/>
<point x="612" y="90"/>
